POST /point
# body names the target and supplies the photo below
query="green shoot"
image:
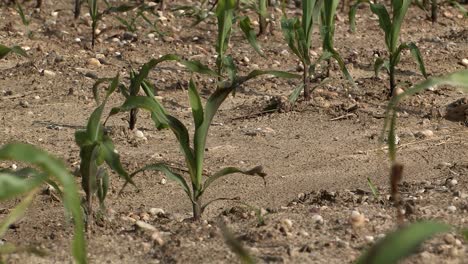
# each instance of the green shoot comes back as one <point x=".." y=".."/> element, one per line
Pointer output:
<point x="327" y="32"/>
<point x="401" y="243"/>
<point x="14" y="184"/>
<point x="391" y="28"/>
<point x="97" y="148"/>
<point x="95" y="17"/>
<point x="457" y="79"/>
<point x="298" y="35"/>
<point x="374" y="190"/>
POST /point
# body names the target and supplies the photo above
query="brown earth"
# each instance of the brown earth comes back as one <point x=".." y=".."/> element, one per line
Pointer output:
<point x="318" y="156"/>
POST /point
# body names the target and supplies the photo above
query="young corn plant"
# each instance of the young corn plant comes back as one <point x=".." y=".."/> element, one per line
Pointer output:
<point x="97" y="148"/>
<point x="298" y="35"/>
<point x="27" y="182"/>
<point x="391" y="28"/>
<point x="202" y="116"/>
<point x="327" y="31"/>
<point x="95" y="17"/>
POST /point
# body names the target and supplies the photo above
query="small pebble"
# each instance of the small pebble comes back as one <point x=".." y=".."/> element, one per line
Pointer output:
<point x="14" y="166"/>
<point x="156" y="237"/>
<point x="317" y="219"/>
<point x="357" y="219"/>
<point x="425" y="133"/>
<point x="156" y="211"/>
<point x="94" y="62"/>
<point x="399" y="91"/>
<point x="369" y="239"/>
<point x="452" y="209"/>
<point x="163" y="181"/>
<point x="49" y="73"/>
<point x="287" y="222"/>
<point x="145" y="226"/>
<point x="139" y="134"/>
<point x="452" y="182"/>
<point x="464" y="62"/>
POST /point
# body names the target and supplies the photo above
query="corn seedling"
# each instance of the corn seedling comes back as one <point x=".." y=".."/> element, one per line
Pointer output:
<point x="455" y="79"/>
<point x="24" y="19"/>
<point x="202" y="117"/>
<point x="327" y="31"/>
<point x="131" y="23"/>
<point x="95" y="17"/>
<point x="391" y="28"/>
<point x="298" y="35"/>
<point x="97" y="148"/>
<point x="401" y="243"/>
<point x="4" y="51"/>
<point x="260" y="7"/>
<point x="26" y="182"/>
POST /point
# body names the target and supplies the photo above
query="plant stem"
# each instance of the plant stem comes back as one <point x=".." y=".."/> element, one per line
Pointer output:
<point x="93" y="34"/>
<point x="305" y="81"/>
<point x="262" y="6"/>
<point x="434" y="7"/>
<point x="392" y="79"/>
<point x="197" y="210"/>
<point x="133" y="118"/>
<point x="77" y="8"/>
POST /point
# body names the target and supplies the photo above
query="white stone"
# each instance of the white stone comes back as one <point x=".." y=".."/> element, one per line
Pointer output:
<point x="452" y="209"/>
<point x="465" y="62"/>
<point x="156" y="211"/>
<point x="425" y="133"/>
<point x="145" y="226"/>
<point x="317" y="219"/>
<point x="94" y="62"/>
<point x="49" y="73"/>
<point x="139" y="134"/>
<point x="369" y="239"/>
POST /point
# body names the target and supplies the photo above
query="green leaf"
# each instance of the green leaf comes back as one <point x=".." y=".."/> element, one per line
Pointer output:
<point x="20" y="11"/>
<point x="296" y="92"/>
<point x="250" y="34"/>
<point x="12" y="185"/>
<point x="385" y="22"/>
<point x="400" y="7"/>
<point x="418" y="57"/>
<point x="289" y="28"/>
<point x="279" y="74"/>
<point x="195" y="103"/>
<point x="257" y="171"/>
<point x="4" y="51"/>
<point x="401" y="243"/>
<point x="378" y="65"/>
<point x="94" y="128"/>
<point x="53" y="167"/>
<point x="112" y="159"/>
<point x="179" y="130"/>
<point x="457" y="79"/>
